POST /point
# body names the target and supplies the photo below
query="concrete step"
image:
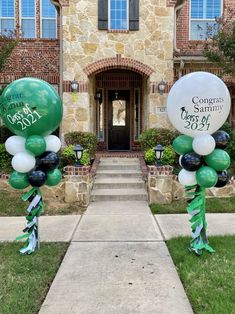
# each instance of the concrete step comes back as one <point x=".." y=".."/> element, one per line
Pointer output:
<point x="119" y="167"/>
<point x="113" y="160"/>
<point x="118" y="183"/>
<point x="118" y="173"/>
<point x="118" y="195"/>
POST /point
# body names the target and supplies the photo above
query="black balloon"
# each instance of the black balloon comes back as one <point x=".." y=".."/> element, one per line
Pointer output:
<point x="47" y="161"/>
<point x="221" y="139"/>
<point x="37" y="178"/>
<point x="191" y="161"/>
<point x="223" y="178"/>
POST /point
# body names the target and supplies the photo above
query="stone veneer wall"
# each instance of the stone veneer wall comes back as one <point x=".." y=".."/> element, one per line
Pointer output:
<point x="84" y="44"/>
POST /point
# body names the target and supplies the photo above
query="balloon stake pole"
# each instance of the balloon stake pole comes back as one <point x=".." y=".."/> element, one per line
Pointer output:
<point x="197" y="210"/>
<point x="31" y="231"/>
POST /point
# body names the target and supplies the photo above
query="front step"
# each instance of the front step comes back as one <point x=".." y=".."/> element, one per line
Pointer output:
<point x="118" y="183"/>
<point x="118" y="195"/>
<point x="119" y="167"/>
<point x="118" y="173"/>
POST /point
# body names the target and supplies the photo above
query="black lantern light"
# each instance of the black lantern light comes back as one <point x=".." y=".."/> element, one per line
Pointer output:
<point x="78" y="151"/>
<point x="158" y="153"/>
<point x="74" y="86"/>
<point x="161" y="87"/>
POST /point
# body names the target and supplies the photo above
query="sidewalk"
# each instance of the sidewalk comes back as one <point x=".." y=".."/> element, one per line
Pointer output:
<point x="117" y="262"/>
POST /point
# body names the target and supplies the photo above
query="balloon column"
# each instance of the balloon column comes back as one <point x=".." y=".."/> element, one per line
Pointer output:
<point x="198" y="104"/>
<point x="32" y="109"/>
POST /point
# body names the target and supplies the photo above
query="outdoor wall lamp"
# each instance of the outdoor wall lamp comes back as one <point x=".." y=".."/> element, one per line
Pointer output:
<point x="78" y="149"/>
<point x="74" y="86"/>
<point x="158" y="153"/>
<point x="161" y="87"/>
<point x="98" y="95"/>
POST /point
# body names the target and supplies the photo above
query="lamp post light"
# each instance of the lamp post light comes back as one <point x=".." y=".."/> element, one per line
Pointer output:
<point x="74" y="86"/>
<point x="78" y="151"/>
<point x="158" y="153"/>
<point x="161" y="87"/>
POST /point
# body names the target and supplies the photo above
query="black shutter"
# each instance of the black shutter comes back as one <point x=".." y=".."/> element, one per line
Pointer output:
<point x="133" y="15"/>
<point x="102" y="14"/>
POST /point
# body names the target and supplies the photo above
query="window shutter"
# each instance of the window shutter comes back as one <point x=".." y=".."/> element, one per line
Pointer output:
<point x="102" y="14"/>
<point x="133" y="15"/>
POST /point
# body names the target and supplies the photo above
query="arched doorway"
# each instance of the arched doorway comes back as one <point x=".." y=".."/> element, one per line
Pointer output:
<point x="118" y="95"/>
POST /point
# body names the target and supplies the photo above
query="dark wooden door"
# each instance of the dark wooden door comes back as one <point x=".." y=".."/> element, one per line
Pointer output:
<point x="119" y="120"/>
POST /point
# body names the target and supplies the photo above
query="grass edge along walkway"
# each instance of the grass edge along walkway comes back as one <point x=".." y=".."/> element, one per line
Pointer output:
<point x="209" y="279"/>
<point x="26" y="279"/>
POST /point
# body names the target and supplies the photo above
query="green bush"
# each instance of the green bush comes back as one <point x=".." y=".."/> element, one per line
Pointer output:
<point x="168" y="158"/>
<point x="151" y="137"/>
<point x="86" y="139"/>
<point x="5" y="158"/>
<point x="4" y="134"/>
<point x="231" y="145"/>
<point x="85" y="160"/>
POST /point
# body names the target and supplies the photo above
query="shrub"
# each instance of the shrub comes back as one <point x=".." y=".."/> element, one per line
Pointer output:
<point x="4" y="134"/>
<point x="5" y="164"/>
<point x="231" y="145"/>
<point x="168" y="158"/>
<point x="86" y="139"/>
<point x="151" y="137"/>
<point x="85" y="160"/>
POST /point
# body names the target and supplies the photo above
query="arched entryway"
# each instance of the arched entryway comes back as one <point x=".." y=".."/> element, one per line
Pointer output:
<point x="119" y="110"/>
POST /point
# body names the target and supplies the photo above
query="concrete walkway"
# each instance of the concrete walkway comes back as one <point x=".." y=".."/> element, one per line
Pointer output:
<point x="117" y="262"/>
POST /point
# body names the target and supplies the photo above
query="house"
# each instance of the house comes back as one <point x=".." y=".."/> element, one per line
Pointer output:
<point x="112" y="61"/>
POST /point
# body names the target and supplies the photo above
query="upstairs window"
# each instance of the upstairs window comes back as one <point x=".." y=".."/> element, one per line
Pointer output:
<point x="7" y="16"/>
<point x="48" y="19"/>
<point x="203" y="14"/>
<point x="118" y="15"/>
<point x="28" y="18"/>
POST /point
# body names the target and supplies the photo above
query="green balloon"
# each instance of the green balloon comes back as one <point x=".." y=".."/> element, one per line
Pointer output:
<point x="206" y="177"/>
<point x="18" y="180"/>
<point x="183" y="144"/>
<point x="219" y="160"/>
<point x="53" y="177"/>
<point x="31" y="106"/>
<point x="35" y="144"/>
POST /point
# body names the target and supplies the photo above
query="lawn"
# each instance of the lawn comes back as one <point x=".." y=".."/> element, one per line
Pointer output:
<point x="213" y="205"/>
<point x="12" y="205"/>
<point x="209" y="280"/>
<point x="24" y="279"/>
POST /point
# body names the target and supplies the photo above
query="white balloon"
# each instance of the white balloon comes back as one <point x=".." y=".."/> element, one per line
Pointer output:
<point x="198" y="103"/>
<point x="23" y="162"/>
<point x="187" y="177"/>
<point x="53" y="143"/>
<point x="15" y="144"/>
<point x="203" y="144"/>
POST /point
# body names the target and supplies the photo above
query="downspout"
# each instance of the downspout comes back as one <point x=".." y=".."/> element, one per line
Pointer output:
<point x="57" y="4"/>
<point x="177" y="8"/>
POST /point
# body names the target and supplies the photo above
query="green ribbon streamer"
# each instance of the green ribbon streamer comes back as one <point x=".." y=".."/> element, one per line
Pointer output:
<point x="197" y="209"/>
<point x="34" y="210"/>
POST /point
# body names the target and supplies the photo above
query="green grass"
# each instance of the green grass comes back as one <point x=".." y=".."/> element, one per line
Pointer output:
<point x="209" y="280"/>
<point x="25" y="279"/>
<point x="12" y="205"/>
<point x="213" y="205"/>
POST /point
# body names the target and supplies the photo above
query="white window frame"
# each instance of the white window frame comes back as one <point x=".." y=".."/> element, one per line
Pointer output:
<point x="204" y="20"/>
<point x="47" y="18"/>
<point x="127" y="17"/>
<point x="7" y="18"/>
<point x="27" y="18"/>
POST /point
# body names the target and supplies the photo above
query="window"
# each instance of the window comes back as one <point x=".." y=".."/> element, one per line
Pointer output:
<point x="137" y="114"/>
<point x="203" y="14"/>
<point x="7" y="23"/>
<point x="28" y="18"/>
<point x="48" y="19"/>
<point x="118" y="15"/>
<point x="100" y="115"/>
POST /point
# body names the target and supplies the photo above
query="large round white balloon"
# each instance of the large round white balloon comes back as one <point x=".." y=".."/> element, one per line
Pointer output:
<point x="198" y="102"/>
<point x="53" y="143"/>
<point x="203" y="144"/>
<point x="15" y="144"/>
<point x="187" y="177"/>
<point x="23" y="162"/>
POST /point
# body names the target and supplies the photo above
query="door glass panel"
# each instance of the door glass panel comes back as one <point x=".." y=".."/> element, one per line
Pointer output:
<point x="100" y="115"/>
<point x="119" y="112"/>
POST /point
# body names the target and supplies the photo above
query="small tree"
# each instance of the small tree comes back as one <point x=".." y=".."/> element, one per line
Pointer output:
<point x="221" y="48"/>
<point x="7" y="44"/>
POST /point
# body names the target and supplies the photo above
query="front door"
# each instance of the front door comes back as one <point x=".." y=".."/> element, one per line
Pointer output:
<point x="119" y="119"/>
